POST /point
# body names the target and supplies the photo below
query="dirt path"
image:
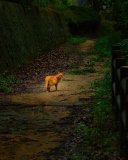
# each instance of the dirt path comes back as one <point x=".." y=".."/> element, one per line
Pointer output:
<point x="71" y="91"/>
<point x="30" y="131"/>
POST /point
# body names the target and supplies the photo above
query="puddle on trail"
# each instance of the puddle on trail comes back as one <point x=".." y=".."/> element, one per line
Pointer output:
<point x="27" y="133"/>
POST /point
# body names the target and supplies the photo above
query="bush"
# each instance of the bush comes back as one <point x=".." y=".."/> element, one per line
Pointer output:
<point x="123" y="19"/>
<point x="81" y="19"/>
<point x="104" y="44"/>
<point x="119" y="10"/>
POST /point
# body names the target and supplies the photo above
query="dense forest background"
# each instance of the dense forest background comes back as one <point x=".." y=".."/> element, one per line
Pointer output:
<point x="115" y="10"/>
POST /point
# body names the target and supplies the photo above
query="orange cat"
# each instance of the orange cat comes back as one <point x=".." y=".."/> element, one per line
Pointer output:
<point x="53" y="80"/>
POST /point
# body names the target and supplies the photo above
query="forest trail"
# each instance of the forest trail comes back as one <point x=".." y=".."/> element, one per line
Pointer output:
<point x="72" y="90"/>
<point x="40" y="125"/>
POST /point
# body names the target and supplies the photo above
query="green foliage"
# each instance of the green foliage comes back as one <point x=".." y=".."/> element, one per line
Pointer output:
<point x="60" y="5"/>
<point x="78" y="40"/>
<point x="7" y="82"/>
<point x="100" y="135"/>
<point x="104" y="44"/>
<point x="82" y="71"/>
<point x="115" y="8"/>
<point x="99" y="139"/>
<point x="119" y="10"/>
<point x="81" y="20"/>
<point x="95" y="84"/>
<point x="67" y="80"/>
<point x="102" y="112"/>
<point x="123" y="19"/>
<point x="57" y="5"/>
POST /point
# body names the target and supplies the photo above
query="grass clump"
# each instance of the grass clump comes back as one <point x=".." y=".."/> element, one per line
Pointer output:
<point x="7" y="83"/>
<point x="78" y="40"/>
<point x="104" y="44"/>
<point x="67" y="80"/>
<point x="95" y="84"/>
<point x="83" y="71"/>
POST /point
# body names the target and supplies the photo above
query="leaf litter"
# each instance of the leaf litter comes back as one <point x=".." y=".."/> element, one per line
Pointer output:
<point x="49" y="63"/>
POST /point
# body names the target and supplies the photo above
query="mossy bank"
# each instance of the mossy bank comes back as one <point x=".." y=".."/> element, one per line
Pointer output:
<point x="27" y="32"/>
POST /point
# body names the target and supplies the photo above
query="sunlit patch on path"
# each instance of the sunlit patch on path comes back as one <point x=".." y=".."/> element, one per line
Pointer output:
<point x="69" y="92"/>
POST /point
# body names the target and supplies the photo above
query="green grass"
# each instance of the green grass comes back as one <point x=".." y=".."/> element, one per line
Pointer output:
<point x="95" y="84"/>
<point x="91" y="62"/>
<point x="7" y="82"/>
<point x="81" y="87"/>
<point x="73" y="66"/>
<point x="82" y="71"/>
<point x="104" y="44"/>
<point x="67" y="80"/>
<point x="78" y="40"/>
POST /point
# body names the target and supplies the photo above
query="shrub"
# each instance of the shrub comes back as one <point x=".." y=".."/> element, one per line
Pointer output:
<point x="119" y="11"/>
<point x="104" y="44"/>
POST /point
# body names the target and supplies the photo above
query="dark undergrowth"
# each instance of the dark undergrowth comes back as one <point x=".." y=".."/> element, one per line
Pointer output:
<point x="95" y="137"/>
<point x="99" y="138"/>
